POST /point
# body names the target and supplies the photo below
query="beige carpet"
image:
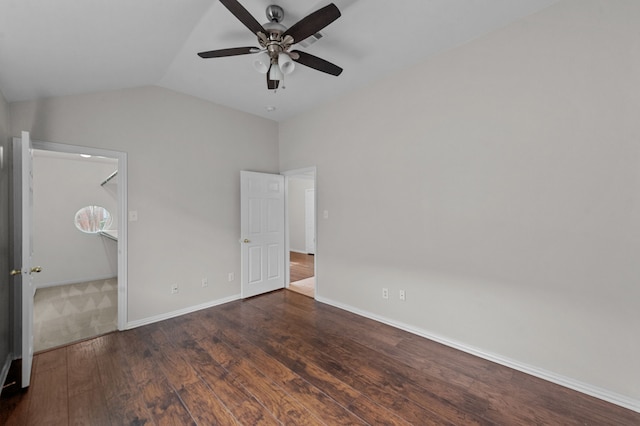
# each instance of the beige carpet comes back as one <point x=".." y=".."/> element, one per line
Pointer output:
<point x="68" y="313"/>
<point x="306" y="286"/>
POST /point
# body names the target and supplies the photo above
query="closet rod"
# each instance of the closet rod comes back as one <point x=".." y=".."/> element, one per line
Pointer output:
<point x="111" y="176"/>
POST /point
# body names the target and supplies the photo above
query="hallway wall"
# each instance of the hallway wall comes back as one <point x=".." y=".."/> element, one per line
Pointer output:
<point x="296" y="212"/>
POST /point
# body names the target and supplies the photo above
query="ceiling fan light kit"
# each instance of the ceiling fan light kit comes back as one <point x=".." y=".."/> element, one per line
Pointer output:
<point x="274" y="58"/>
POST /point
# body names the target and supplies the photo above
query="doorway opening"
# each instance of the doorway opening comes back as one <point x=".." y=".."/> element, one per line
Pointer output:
<point x="81" y="292"/>
<point x="301" y="231"/>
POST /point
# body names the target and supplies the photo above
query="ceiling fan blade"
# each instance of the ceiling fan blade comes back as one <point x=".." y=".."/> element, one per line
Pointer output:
<point x="228" y="52"/>
<point x="315" y="62"/>
<point x="313" y="23"/>
<point x="272" y="84"/>
<point x="243" y="16"/>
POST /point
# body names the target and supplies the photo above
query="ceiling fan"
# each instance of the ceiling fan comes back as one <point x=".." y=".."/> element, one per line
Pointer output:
<point x="274" y="57"/>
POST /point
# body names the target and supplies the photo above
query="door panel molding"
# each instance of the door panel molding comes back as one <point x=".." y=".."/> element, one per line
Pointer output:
<point x="262" y="221"/>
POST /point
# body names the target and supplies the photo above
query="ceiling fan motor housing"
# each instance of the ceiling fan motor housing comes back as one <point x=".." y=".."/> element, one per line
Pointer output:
<point x="274" y="42"/>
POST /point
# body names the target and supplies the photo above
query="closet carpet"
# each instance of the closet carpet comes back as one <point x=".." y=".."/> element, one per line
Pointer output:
<point x="68" y="313"/>
<point x="306" y="287"/>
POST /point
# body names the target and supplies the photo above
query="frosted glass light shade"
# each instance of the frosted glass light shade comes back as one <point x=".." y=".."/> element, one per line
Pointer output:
<point x="262" y="62"/>
<point x="285" y="63"/>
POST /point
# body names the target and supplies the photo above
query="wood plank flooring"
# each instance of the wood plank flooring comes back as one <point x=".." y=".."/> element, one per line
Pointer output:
<point x="300" y="266"/>
<point x="283" y="358"/>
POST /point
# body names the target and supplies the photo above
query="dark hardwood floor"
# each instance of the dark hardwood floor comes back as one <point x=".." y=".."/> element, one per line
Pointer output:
<point x="283" y="358"/>
<point x="301" y="266"/>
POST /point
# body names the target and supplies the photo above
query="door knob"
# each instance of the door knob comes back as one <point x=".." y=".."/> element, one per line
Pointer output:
<point x="36" y="269"/>
<point x="246" y="241"/>
<point x="15" y="272"/>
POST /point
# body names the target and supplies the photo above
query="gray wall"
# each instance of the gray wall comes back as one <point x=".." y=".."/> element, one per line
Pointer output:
<point x="62" y="185"/>
<point x="499" y="185"/>
<point x="184" y="162"/>
<point x="296" y="212"/>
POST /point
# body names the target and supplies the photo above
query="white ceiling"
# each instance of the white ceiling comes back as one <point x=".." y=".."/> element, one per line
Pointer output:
<point x="63" y="47"/>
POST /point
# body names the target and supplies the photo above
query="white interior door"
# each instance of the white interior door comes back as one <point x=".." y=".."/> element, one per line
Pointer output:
<point x="23" y="166"/>
<point x="262" y="232"/>
<point x="310" y="220"/>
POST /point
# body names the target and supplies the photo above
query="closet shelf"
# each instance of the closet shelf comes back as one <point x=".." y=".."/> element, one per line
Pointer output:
<point x="111" y="176"/>
<point x="111" y="234"/>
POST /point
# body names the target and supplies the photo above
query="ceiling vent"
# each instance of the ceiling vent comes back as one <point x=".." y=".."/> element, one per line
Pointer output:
<point x="311" y="39"/>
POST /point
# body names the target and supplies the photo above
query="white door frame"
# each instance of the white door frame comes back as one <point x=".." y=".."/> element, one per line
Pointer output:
<point x="122" y="212"/>
<point x="310" y="210"/>
<point x="287" y="174"/>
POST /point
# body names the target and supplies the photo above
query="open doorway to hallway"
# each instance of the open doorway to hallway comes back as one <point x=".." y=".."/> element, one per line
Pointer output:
<point x="301" y="267"/>
<point x="301" y="222"/>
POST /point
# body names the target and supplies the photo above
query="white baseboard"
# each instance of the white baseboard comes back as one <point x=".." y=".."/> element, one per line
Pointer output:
<point x="597" y="392"/>
<point x="299" y="251"/>
<point x="179" y="312"/>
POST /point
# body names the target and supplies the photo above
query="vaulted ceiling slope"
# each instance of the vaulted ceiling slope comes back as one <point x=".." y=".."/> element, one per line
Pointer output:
<point x="64" y="47"/>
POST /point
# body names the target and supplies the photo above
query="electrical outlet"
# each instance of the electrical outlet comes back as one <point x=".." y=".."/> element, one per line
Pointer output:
<point x="205" y="282"/>
<point x="385" y="293"/>
<point x="174" y="288"/>
<point x="231" y="276"/>
<point x="402" y="295"/>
